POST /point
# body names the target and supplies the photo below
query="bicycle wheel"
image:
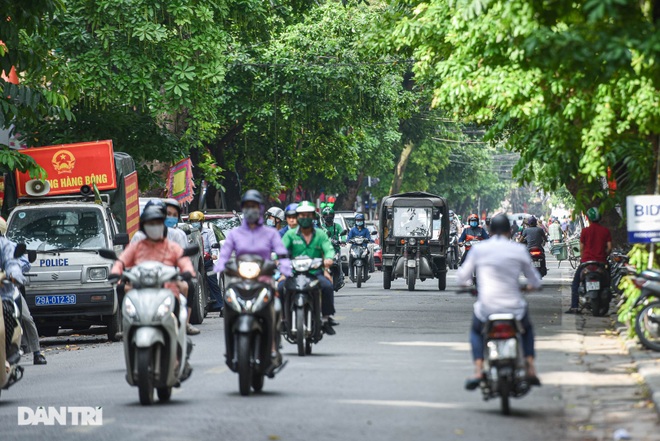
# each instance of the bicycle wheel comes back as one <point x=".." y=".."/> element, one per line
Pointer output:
<point x="574" y="261"/>
<point x="647" y="325"/>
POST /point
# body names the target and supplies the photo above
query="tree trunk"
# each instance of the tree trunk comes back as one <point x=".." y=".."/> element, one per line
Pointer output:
<point x="397" y="182"/>
<point x="346" y="202"/>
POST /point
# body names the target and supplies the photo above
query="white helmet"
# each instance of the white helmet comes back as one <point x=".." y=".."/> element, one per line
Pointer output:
<point x="276" y="212"/>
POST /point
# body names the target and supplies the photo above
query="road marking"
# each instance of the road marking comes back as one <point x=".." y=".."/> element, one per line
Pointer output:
<point x="358" y="309"/>
<point x="217" y="370"/>
<point x="426" y="404"/>
<point x="439" y="344"/>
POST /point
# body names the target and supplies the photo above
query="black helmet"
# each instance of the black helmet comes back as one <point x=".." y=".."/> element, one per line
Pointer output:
<point x="252" y="196"/>
<point x="531" y="221"/>
<point x="499" y="224"/>
<point x="153" y="212"/>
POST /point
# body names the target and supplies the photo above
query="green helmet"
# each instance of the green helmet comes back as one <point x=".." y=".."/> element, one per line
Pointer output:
<point x="306" y="207"/>
<point x="327" y="211"/>
<point x="593" y="215"/>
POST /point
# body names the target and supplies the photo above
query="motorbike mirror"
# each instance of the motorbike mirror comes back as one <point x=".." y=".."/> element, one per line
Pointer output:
<point x="191" y="251"/>
<point x="19" y="250"/>
<point x="108" y="254"/>
<point x="343" y="233"/>
<point x="215" y="245"/>
<point x="121" y="239"/>
<point x="186" y="229"/>
<point x="32" y="256"/>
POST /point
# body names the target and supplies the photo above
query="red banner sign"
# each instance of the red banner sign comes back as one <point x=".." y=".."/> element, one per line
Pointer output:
<point x="70" y="166"/>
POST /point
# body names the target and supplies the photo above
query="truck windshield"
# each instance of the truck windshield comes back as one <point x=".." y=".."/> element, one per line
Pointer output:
<point x="412" y="222"/>
<point x="53" y="229"/>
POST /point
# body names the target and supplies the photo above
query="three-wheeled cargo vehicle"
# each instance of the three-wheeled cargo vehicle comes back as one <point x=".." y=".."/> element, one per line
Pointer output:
<point x="414" y="231"/>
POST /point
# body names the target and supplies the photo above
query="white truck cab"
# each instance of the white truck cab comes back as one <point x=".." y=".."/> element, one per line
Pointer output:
<point x="68" y="283"/>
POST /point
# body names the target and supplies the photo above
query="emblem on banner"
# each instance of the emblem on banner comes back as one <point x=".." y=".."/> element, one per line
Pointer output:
<point x="63" y="161"/>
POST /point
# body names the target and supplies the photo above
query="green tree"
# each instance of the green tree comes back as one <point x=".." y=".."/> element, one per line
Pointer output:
<point x="571" y="86"/>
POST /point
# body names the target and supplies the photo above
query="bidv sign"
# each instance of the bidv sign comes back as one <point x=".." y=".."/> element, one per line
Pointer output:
<point x="62" y="416"/>
<point x="643" y="214"/>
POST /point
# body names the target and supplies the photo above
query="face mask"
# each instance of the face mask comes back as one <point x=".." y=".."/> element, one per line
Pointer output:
<point x="197" y="225"/>
<point x="170" y="222"/>
<point x="474" y="224"/>
<point x="251" y="215"/>
<point x="359" y="223"/>
<point x="154" y="232"/>
<point x="270" y="222"/>
<point x="305" y="222"/>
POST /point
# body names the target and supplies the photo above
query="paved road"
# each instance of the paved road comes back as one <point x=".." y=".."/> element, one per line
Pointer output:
<point x="394" y="371"/>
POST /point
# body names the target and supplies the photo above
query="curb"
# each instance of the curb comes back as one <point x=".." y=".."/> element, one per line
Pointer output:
<point x="647" y="363"/>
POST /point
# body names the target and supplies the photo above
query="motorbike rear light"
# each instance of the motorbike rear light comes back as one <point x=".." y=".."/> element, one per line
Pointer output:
<point x="535" y="253"/>
<point x="501" y="331"/>
<point x="403" y="241"/>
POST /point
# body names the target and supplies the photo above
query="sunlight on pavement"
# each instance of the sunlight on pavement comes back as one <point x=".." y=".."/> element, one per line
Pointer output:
<point x="441" y="344"/>
<point x="426" y="404"/>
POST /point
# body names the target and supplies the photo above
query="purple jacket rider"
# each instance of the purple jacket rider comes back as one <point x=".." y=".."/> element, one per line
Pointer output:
<point x="260" y="240"/>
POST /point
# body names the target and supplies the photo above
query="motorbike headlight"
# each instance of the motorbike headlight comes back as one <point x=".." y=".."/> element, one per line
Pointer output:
<point x="100" y="273"/>
<point x="365" y="253"/>
<point x="301" y="265"/>
<point x="164" y="308"/>
<point x="130" y="310"/>
<point x="249" y="270"/>
<point x="232" y="300"/>
<point x="412" y="241"/>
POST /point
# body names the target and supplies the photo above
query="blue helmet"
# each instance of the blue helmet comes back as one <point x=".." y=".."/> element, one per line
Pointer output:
<point x="290" y="210"/>
<point x="359" y="216"/>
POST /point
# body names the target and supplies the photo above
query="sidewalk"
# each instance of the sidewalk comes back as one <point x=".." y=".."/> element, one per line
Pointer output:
<point x="608" y="385"/>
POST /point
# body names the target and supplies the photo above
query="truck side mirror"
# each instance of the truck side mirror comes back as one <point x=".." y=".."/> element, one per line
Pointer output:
<point x="121" y="239"/>
<point x="32" y="256"/>
<point x="19" y="250"/>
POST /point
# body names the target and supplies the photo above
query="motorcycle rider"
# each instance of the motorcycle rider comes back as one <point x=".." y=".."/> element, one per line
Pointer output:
<point x="472" y="232"/>
<point x="306" y="240"/>
<point x="275" y="217"/>
<point x="30" y="338"/>
<point x="534" y="237"/>
<point x="291" y="217"/>
<point x="487" y="225"/>
<point x="360" y="230"/>
<point x="333" y="230"/>
<point x="455" y="226"/>
<point x="554" y="231"/>
<point x="595" y="245"/>
<point x="500" y="263"/>
<point x="196" y="220"/>
<point x="252" y="237"/>
<point x="156" y="247"/>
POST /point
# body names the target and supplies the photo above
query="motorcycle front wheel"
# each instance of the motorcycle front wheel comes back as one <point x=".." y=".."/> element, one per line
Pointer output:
<point x="647" y="325"/>
<point x="145" y="375"/>
<point x="300" y="330"/>
<point x="257" y="381"/>
<point x="358" y="276"/>
<point x="244" y="370"/>
<point x="411" y="279"/>
<point x="504" y="398"/>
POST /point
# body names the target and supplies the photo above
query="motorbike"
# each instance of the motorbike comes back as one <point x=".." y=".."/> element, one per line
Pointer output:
<point x="360" y="256"/>
<point x="251" y="321"/>
<point x="594" y="290"/>
<point x="303" y="325"/>
<point x="453" y="252"/>
<point x="647" y="321"/>
<point x="156" y="346"/>
<point x="538" y="260"/>
<point x="468" y="244"/>
<point x="617" y="262"/>
<point x="10" y="329"/>
<point x="335" y="269"/>
<point x="504" y="369"/>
